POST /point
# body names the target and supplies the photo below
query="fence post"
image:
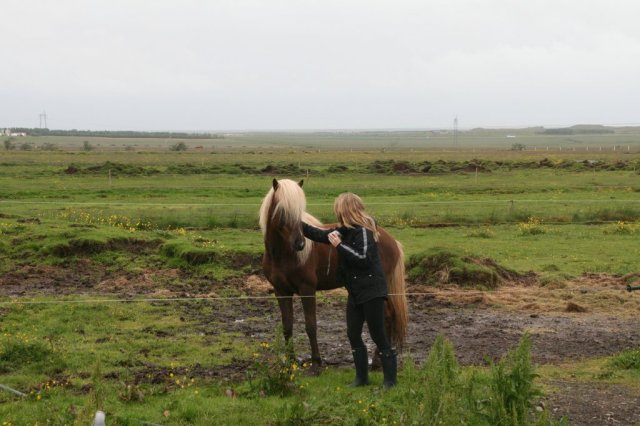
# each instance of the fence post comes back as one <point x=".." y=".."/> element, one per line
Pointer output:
<point x="99" y="420"/>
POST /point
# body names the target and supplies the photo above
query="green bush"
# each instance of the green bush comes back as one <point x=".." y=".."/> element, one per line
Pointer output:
<point x="179" y="146"/>
<point x="627" y="360"/>
<point x="512" y="387"/>
<point x="443" y="393"/>
<point x="275" y="370"/>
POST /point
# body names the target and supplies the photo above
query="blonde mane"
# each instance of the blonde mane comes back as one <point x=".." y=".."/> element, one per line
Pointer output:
<point x="291" y="204"/>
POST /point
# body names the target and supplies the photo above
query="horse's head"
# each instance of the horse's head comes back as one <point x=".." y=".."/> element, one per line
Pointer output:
<point x="282" y="211"/>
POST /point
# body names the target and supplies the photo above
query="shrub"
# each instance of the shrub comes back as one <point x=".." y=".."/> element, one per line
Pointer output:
<point x="622" y="227"/>
<point x="442" y="372"/>
<point x="8" y="144"/>
<point x="275" y="370"/>
<point x="438" y="393"/>
<point x="627" y="360"/>
<point x="180" y="146"/>
<point x="512" y="386"/>
<point x="533" y="226"/>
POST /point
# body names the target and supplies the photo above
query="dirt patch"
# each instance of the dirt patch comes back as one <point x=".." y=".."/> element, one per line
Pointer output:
<point x="479" y="332"/>
<point x="80" y="246"/>
<point x="83" y="276"/>
<point x="76" y="277"/>
<point x="592" y="404"/>
<point x="141" y="283"/>
<point x="158" y="374"/>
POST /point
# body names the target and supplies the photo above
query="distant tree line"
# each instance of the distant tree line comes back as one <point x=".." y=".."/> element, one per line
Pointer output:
<point x="116" y="133"/>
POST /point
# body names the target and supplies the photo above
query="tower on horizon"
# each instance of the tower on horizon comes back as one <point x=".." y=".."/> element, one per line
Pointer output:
<point x="455" y="130"/>
<point x="43" y="118"/>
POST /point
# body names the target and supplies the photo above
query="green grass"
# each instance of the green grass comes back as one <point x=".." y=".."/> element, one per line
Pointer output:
<point x="101" y="376"/>
<point x="208" y="201"/>
<point x="64" y="341"/>
<point x="566" y="249"/>
<point x="627" y="360"/>
<point x="70" y="233"/>
<point x="197" y="212"/>
<point x="561" y="249"/>
<point x="54" y="355"/>
<point x="270" y="142"/>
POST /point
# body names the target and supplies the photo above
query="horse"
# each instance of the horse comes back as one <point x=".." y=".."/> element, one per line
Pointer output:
<point x="296" y="265"/>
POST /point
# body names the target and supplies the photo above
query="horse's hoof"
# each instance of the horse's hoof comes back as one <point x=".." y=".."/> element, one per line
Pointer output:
<point x="314" y="370"/>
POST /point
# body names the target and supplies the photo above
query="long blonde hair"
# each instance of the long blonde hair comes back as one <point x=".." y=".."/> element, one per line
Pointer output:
<point x="349" y="210"/>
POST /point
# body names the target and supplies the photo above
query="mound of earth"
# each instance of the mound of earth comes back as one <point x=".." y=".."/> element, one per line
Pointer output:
<point x="443" y="266"/>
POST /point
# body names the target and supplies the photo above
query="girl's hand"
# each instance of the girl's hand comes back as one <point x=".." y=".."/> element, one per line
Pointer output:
<point x="335" y="238"/>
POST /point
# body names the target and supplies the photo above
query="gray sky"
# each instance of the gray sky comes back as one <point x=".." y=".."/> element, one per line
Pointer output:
<point x="295" y="64"/>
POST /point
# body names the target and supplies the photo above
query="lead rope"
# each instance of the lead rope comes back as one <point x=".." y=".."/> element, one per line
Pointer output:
<point x="329" y="261"/>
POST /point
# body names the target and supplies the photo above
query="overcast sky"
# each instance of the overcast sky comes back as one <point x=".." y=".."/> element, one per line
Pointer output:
<point x="295" y="64"/>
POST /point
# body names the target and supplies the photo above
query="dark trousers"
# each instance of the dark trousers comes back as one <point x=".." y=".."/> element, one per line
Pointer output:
<point x="373" y="313"/>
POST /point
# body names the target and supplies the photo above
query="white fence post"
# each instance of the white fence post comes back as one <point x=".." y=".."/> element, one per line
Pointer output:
<point x="99" y="420"/>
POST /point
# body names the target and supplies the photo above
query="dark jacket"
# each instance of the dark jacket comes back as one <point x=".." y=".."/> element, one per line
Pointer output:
<point x="359" y="266"/>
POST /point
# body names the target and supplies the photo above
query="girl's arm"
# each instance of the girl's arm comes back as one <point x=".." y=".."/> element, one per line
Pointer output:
<point x="316" y="234"/>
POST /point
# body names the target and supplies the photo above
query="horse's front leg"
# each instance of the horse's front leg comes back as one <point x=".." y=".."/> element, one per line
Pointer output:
<point x="311" y="327"/>
<point x="285" y="302"/>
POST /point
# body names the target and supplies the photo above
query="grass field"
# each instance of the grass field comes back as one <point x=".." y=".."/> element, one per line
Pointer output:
<point x="622" y="138"/>
<point x="190" y="219"/>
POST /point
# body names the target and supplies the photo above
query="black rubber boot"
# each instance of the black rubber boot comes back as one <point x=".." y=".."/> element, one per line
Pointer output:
<point x="361" y="361"/>
<point x="389" y="367"/>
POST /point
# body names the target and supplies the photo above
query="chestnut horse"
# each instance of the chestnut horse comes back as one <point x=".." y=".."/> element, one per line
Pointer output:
<point x="296" y="265"/>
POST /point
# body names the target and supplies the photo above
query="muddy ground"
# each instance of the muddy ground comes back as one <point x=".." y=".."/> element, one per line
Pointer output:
<point x="591" y="316"/>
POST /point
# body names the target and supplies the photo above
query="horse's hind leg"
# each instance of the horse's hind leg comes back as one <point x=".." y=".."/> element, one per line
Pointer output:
<point x="311" y="327"/>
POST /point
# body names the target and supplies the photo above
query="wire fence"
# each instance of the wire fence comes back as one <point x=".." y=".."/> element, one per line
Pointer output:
<point x="21" y="301"/>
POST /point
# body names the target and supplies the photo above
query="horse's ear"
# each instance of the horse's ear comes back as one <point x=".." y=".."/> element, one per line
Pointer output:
<point x="275" y="184"/>
<point x="300" y="183"/>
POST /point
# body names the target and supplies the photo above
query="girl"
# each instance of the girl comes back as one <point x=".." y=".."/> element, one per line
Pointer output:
<point x="360" y="270"/>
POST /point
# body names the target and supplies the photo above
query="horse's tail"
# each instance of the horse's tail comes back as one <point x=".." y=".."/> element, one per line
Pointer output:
<point x="398" y="312"/>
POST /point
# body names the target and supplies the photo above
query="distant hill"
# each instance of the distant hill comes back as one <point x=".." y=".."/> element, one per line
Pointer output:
<point x="580" y="129"/>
